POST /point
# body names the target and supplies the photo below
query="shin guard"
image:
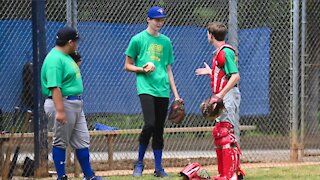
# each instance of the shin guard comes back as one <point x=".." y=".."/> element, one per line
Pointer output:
<point x="219" y="160"/>
<point x="228" y="151"/>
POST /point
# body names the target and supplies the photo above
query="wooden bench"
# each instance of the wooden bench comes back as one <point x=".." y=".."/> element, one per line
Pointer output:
<point x="110" y="136"/>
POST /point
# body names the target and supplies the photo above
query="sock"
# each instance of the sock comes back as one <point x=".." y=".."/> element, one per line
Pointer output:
<point x="84" y="161"/>
<point x="157" y="159"/>
<point x="59" y="159"/>
<point x="142" y="151"/>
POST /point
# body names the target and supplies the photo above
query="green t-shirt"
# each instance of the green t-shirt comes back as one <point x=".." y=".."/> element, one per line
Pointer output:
<point x="230" y="66"/>
<point x="144" y="48"/>
<point x="60" y="70"/>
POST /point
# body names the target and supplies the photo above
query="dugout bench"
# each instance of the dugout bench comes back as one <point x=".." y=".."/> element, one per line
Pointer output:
<point x="110" y="136"/>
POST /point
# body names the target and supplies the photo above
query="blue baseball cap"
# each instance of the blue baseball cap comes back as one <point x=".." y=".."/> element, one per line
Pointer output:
<point x="156" y="12"/>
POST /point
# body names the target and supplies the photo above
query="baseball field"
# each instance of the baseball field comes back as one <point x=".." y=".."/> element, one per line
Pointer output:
<point x="283" y="172"/>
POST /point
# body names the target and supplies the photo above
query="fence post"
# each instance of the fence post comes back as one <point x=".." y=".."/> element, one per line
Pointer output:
<point x="72" y="13"/>
<point x="233" y="24"/>
<point x="295" y="81"/>
<point x="303" y="71"/>
<point x="39" y="53"/>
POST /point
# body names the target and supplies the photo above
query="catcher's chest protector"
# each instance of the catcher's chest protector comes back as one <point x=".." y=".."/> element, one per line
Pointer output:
<point x="228" y="156"/>
<point x="219" y="78"/>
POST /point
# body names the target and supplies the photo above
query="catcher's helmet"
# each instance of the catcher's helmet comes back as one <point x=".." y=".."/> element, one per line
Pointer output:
<point x="194" y="171"/>
<point x="190" y="171"/>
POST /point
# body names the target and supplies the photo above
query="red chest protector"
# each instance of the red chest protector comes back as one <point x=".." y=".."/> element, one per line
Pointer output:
<point x="219" y="79"/>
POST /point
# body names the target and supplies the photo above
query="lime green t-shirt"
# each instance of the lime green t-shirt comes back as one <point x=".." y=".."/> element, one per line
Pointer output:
<point x="60" y="70"/>
<point x="230" y="66"/>
<point x="144" y="48"/>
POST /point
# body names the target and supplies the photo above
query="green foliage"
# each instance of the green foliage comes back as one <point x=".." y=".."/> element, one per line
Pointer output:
<point x="204" y="15"/>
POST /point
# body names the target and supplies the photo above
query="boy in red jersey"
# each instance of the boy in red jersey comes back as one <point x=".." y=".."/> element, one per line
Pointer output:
<point x="224" y="79"/>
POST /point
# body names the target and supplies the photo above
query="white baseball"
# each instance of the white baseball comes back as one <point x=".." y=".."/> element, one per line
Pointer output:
<point x="149" y="66"/>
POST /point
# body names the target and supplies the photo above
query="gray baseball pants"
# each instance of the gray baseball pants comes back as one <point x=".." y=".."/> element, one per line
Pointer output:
<point x="75" y="131"/>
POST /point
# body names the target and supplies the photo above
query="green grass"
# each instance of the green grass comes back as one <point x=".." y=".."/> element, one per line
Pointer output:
<point x="282" y="173"/>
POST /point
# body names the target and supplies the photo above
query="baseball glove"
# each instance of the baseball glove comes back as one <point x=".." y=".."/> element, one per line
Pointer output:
<point x="177" y="111"/>
<point x="76" y="56"/>
<point x="212" y="107"/>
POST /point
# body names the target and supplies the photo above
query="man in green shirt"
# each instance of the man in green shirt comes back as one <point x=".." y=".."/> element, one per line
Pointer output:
<point x="62" y="85"/>
<point x="150" y="56"/>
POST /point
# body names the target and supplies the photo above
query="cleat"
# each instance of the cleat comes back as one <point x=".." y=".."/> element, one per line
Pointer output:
<point x="138" y="168"/>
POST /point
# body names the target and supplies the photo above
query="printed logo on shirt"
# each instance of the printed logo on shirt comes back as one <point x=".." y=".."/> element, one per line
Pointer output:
<point x="155" y="51"/>
<point x="76" y="70"/>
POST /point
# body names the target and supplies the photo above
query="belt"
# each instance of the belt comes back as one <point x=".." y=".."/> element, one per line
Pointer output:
<point x="70" y="97"/>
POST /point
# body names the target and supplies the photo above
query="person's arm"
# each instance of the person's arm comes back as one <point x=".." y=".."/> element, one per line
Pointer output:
<point x="131" y="55"/>
<point x="130" y="67"/>
<point x="234" y="79"/>
<point x="58" y="102"/>
<point x="204" y="71"/>
<point x="172" y="83"/>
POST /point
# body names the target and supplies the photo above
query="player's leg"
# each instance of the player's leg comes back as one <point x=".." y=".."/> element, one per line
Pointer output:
<point x="147" y="105"/>
<point x="227" y="156"/>
<point x="80" y="141"/>
<point x="61" y="136"/>
<point x="233" y="107"/>
<point x="231" y="118"/>
<point x="161" y="109"/>
<point x="237" y="100"/>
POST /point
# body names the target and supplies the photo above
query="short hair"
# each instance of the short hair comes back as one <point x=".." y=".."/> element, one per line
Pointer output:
<point x="218" y="30"/>
<point x="61" y="43"/>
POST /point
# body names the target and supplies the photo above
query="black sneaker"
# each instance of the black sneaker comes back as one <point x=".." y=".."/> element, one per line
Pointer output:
<point x="64" y="177"/>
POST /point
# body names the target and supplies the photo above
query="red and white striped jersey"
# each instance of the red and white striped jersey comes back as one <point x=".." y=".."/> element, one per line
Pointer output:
<point x="219" y="79"/>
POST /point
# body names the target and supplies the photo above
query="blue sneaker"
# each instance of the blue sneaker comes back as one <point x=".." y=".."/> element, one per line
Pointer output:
<point x="160" y="173"/>
<point x="94" y="178"/>
<point x="138" y="168"/>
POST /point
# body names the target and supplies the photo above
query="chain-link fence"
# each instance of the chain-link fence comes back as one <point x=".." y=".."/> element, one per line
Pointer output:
<point x="310" y="81"/>
<point x="265" y="41"/>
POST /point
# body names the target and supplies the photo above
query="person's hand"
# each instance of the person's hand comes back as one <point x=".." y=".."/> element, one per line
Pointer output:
<point x="148" y="67"/>
<point x="220" y="95"/>
<point x="204" y="71"/>
<point x="61" y="117"/>
<point x="178" y="99"/>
